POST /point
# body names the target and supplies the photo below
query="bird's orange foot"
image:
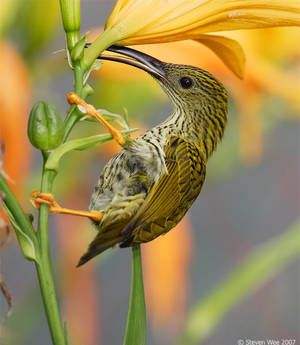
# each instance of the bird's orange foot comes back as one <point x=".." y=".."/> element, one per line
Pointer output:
<point x="43" y="198"/>
<point x="90" y="110"/>
<point x="47" y="198"/>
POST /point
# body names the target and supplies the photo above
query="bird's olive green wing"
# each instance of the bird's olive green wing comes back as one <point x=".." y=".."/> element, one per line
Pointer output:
<point x="171" y="196"/>
<point x="117" y="214"/>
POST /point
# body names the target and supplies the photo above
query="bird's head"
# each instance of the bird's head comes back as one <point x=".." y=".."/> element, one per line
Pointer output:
<point x="186" y="86"/>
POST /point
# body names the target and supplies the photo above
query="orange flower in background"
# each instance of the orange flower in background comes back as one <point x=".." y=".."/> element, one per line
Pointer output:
<point x="267" y="74"/>
<point x="166" y="262"/>
<point x="15" y="93"/>
<point x="78" y="286"/>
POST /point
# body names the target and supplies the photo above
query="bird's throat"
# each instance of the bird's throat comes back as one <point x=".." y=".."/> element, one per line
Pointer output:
<point x="203" y="127"/>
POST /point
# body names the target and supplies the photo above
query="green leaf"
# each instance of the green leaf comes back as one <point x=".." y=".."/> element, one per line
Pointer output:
<point x="136" y="328"/>
<point x="264" y="261"/>
<point x="24" y="230"/>
<point x="36" y="24"/>
<point x="26" y="244"/>
<point x="7" y="14"/>
<point x="77" y="144"/>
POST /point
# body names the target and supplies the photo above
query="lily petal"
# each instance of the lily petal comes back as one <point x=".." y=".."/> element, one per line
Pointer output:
<point x="150" y="19"/>
<point x="228" y="50"/>
<point x="156" y="21"/>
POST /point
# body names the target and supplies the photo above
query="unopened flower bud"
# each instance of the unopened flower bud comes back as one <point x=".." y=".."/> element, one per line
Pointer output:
<point x="70" y="11"/>
<point x="45" y="126"/>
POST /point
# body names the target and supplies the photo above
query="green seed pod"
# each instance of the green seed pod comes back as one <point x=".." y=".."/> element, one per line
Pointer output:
<point x="45" y="126"/>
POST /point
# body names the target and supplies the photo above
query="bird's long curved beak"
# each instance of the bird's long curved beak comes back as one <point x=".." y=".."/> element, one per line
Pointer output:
<point x="137" y="59"/>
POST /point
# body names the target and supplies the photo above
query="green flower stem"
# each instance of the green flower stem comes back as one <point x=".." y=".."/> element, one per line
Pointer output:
<point x="74" y="114"/>
<point x="103" y="41"/>
<point x="44" y="269"/>
<point x="136" y="328"/>
<point x="70" y="10"/>
<point x="44" y="272"/>
<point x="78" y="78"/>
<point x="41" y="251"/>
<point x="46" y="187"/>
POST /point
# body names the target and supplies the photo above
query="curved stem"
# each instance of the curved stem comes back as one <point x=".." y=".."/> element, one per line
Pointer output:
<point x="103" y="41"/>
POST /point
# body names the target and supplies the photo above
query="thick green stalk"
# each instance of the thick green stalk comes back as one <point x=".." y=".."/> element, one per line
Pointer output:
<point x="44" y="269"/>
<point x="70" y="10"/>
<point x="136" y="328"/>
<point x="46" y="187"/>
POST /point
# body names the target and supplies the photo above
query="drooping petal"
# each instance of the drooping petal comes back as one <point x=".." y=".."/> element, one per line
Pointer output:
<point x="166" y="261"/>
<point x="228" y="50"/>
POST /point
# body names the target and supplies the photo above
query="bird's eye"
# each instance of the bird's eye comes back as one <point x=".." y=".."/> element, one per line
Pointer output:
<point x="186" y="82"/>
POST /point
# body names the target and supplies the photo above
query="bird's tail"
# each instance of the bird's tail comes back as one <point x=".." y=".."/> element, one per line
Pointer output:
<point x="97" y="246"/>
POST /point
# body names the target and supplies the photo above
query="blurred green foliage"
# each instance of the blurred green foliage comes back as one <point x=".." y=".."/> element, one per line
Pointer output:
<point x="36" y="24"/>
<point x="261" y="264"/>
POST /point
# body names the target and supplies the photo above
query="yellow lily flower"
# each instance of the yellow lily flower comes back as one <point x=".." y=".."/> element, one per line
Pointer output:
<point x="157" y="21"/>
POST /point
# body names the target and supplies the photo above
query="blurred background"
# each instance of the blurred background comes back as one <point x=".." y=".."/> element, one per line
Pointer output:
<point x="251" y="193"/>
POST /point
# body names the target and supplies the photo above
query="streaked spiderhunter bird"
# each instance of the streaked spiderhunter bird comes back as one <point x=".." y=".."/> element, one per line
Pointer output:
<point x="146" y="189"/>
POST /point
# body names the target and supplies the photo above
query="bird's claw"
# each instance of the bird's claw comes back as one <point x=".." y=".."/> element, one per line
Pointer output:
<point x="47" y="198"/>
<point x="90" y="110"/>
<point x="43" y="198"/>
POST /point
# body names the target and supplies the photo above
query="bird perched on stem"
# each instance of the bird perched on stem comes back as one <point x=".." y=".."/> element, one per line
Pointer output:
<point x="147" y="188"/>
